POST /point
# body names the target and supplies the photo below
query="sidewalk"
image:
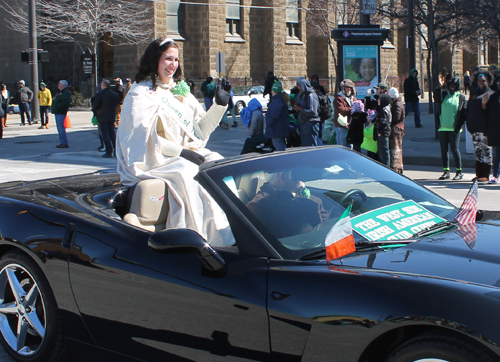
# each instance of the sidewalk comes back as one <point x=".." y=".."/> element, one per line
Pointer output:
<point x="419" y="145"/>
<point x="421" y="148"/>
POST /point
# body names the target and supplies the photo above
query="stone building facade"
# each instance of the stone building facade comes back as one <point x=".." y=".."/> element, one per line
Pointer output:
<point x="256" y="36"/>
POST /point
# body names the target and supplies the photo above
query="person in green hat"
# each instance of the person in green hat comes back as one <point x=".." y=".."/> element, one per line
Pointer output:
<point x="277" y="117"/>
<point x="45" y="98"/>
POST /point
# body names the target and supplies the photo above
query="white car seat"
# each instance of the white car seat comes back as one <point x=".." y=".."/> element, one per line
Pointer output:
<point x="148" y="205"/>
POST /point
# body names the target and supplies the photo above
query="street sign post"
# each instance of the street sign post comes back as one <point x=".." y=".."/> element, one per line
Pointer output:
<point x="220" y="62"/>
<point x="369" y="7"/>
<point x="359" y="46"/>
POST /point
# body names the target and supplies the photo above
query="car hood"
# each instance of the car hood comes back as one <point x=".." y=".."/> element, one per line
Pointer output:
<point x="452" y="255"/>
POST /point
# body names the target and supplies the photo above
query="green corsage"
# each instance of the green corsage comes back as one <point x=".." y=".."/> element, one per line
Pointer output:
<point x="181" y="89"/>
<point x="304" y="192"/>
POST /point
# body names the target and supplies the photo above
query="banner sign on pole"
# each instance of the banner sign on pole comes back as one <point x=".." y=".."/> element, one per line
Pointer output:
<point x="394" y="222"/>
<point x="88" y="60"/>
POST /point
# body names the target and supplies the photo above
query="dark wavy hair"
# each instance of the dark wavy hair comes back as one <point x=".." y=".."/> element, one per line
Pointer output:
<point x="148" y="67"/>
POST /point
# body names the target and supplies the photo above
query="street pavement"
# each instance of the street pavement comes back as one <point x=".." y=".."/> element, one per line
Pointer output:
<point x="28" y="153"/>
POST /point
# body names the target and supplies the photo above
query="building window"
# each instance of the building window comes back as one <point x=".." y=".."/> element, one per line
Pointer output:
<point x="175" y="19"/>
<point x="292" y="20"/>
<point x="233" y="18"/>
<point x="292" y="30"/>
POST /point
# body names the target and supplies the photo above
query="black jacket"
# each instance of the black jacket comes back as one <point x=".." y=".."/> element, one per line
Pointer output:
<point x="104" y="105"/>
<point x="411" y="87"/>
<point x="476" y="117"/>
<point x="492" y="115"/>
<point x="269" y="82"/>
<point x="356" y="128"/>
<point x="383" y="122"/>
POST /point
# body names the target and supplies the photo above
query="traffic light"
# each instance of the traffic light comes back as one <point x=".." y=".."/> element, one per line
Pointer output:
<point x="25" y="57"/>
<point x="43" y="56"/>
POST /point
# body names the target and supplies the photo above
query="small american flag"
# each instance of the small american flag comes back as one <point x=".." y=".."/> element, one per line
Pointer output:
<point x="468" y="210"/>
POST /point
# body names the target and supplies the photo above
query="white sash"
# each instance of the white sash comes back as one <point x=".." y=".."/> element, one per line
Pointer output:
<point x="176" y="111"/>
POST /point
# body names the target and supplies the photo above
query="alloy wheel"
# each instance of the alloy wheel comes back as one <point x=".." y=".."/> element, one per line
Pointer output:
<point x="22" y="310"/>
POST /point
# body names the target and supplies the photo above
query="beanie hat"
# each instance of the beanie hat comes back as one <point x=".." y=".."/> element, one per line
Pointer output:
<point x="393" y="93"/>
<point x="385" y="100"/>
<point x="42" y="84"/>
<point x="277" y="88"/>
<point x="382" y="86"/>
<point x="357" y="106"/>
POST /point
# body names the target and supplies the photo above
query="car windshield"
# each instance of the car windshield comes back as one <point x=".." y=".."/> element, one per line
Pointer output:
<point x="295" y="198"/>
<point x="245" y="90"/>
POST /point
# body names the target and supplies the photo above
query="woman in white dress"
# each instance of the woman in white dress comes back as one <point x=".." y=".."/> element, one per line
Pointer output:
<point x="162" y="134"/>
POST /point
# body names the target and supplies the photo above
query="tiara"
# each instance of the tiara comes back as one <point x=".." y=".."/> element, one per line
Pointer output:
<point x="166" y="40"/>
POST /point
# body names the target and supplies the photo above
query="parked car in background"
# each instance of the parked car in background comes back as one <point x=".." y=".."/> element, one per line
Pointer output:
<point x="13" y="108"/>
<point x="243" y="95"/>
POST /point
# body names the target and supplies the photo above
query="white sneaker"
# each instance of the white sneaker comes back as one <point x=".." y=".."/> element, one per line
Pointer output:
<point x="493" y="180"/>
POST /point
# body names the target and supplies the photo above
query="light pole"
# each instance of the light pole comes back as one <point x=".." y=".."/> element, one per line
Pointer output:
<point x="33" y="52"/>
<point x="364" y="17"/>
<point x="411" y="38"/>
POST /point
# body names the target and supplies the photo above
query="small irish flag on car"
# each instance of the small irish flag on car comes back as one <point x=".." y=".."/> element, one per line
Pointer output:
<point x="340" y="241"/>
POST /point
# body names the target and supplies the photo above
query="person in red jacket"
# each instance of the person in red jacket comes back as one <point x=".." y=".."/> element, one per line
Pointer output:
<point x="342" y="106"/>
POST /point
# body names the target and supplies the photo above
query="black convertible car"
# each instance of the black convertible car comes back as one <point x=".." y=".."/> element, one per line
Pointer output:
<point x="85" y="260"/>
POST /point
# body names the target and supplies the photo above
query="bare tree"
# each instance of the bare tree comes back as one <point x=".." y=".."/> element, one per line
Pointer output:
<point x="436" y="21"/>
<point x="324" y="15"/>
<point x="85" y="22"/>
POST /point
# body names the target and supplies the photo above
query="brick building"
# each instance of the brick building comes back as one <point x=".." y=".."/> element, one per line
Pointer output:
<point x="256" y="36"/>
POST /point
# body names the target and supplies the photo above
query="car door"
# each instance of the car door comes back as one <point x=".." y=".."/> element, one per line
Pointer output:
<point x="166" y="306"/>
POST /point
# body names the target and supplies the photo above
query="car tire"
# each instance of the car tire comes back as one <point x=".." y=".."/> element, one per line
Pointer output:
<point x="440" y="347"/>
<point x="25" y="293"/>
<point x="238" y="107"/>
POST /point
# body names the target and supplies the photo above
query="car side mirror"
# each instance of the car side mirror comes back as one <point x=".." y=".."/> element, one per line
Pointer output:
<point x="186" y="241"/>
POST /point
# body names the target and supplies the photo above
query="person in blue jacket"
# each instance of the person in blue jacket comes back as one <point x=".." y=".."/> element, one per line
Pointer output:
<point x="277" y="117"/>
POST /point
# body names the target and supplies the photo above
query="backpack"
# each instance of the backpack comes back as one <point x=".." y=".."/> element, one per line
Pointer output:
<point x="325" y="107"/>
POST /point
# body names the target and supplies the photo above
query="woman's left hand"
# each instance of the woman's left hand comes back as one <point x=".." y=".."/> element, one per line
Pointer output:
<point x="222" y="94"/>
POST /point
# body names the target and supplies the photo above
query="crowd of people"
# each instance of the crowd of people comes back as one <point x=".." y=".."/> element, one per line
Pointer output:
<point x="58" y="102"/>
<point x="375" y="124"/>
<point x="304" y="116"/>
